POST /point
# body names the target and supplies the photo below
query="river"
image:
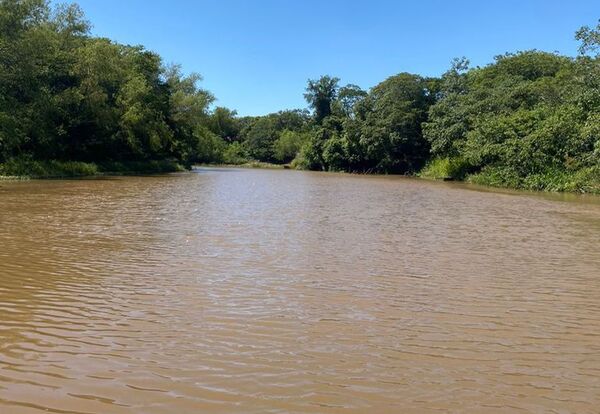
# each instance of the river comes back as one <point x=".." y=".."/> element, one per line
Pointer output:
<point x="274" y="291"/>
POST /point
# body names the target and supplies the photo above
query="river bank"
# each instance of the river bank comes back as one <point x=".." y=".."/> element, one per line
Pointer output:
<point x="584" y="180"/>
<point x="18" y="169"/>
<point x="248" y="164"/>
<point x="581" y="181"/>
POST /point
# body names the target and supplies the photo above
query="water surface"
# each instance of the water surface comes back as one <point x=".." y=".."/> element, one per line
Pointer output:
<point x="255" y="291"/>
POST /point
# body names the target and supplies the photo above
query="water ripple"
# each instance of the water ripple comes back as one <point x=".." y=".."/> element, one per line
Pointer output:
<point x="250" y="291"/>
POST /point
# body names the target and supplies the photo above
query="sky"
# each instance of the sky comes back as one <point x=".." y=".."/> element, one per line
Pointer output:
<point x="256" y="55"/>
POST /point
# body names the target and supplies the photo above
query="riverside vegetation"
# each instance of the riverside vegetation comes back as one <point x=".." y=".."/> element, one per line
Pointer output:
<point x="72" y="104"/>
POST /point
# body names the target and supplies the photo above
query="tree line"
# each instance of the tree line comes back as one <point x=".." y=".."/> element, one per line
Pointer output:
<point x="68" y="96"/>
<point x="529" y="119"/>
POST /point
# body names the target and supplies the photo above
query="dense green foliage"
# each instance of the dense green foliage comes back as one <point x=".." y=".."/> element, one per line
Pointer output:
<point x="73" y="104"/>
<point x="68" y="96"/>
<point x="30" y="168"/>
<point x="529" y="120"/>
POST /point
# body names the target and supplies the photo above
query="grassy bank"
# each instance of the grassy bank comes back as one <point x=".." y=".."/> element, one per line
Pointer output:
<point x="584" y="180"/>
<point x="33" y="169"/>
<point x="451" y="169"/>
<point x="249" y="164"/>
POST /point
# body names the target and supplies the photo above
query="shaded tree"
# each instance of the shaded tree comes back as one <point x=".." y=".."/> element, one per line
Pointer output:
<point x="320" y="94"/>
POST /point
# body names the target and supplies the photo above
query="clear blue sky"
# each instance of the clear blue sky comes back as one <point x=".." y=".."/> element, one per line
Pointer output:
<point x="256" y="55"/>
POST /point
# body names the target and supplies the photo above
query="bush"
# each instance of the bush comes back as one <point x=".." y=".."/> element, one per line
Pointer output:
<point x="140" y="167"/>
<point x="288" y="145"/>
<point x="29" y="168"/>
<point x="454" y="168"/>
<point x="497" y="177"/>
<point x="307" y="158"/>
<point x="209" y="147"/>
<point x="26" y="167"/>
<point x="585" y="180"/>
<point x="235" y="153"/>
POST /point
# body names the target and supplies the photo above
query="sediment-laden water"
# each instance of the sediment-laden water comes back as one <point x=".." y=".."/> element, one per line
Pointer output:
<point x="255" y="291"/>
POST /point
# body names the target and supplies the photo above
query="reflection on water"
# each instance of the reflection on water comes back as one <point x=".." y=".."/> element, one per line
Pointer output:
<point x="252" y="291"/>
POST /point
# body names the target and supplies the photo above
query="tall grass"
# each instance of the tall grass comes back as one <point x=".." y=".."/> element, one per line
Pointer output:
<point x="446" y="168"/>
<point x="140" y="167"/>
<point x="29" y="168"/>
<point x="585" y="180"/>
<point x="250" y="164"/>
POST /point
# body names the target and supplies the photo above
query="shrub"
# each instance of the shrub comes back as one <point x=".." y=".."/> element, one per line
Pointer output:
<point x="235" y="153"/>
<point x="26" y="167"/>
<point x="454" y="168"/>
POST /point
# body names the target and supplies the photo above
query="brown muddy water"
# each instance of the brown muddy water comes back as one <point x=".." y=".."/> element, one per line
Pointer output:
<point x="265" y="291"/>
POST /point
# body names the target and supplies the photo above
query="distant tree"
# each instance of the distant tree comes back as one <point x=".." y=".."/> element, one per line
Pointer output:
<point x="527" y="116"/>
<point x="293" y="120"/>
<point x="261" y="133"/>
<point x="259" y="138"/>
<point x="224" y="122"/>
<point x="349" y="96"/>
<point x="188" y="114"/>
<point x="288" y="145"/>
<point x="589" y="38"/>
<point x="320" y="94"/>
<point x="391" y="134"/>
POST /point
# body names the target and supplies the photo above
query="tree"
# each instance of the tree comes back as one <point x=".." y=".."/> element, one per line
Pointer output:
<point x="589" y="38"/>
<point x="519" y="120"/>
<point x="391" y="134"/>
<point x="348" y="97"/>
<point x="69" y="96"/>
<point x="188" y="112"/>
<point x="261" y="133"/>
<point x="288" y="145"/>
<point x="223" y="122"/>
<point x="320" y="94"/>
<point x="260" y="137"/>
